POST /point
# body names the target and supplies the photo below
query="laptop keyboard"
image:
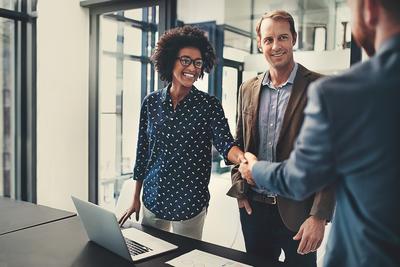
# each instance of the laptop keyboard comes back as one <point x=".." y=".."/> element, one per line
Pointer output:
<point x="135" y="248"/>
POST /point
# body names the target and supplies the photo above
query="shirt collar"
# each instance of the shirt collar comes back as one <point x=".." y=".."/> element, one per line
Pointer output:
<point x="165" y="97"/>
<point x="389" y="44"/>
<point x="165" y="93"/>
<point x="266" y="81"/>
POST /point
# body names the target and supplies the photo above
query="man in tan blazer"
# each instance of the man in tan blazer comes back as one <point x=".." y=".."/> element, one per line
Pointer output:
<point x="270" y="114"/>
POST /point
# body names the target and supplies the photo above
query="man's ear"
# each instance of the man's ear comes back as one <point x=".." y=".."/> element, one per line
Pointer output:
<point x="259" y="44"/>
<point x="294" y="38"/>
<point x="371" y="13"/>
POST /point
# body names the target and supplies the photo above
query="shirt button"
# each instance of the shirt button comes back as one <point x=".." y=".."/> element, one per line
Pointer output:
<point x="270" y="143"/>
<point x="271" y="124"/>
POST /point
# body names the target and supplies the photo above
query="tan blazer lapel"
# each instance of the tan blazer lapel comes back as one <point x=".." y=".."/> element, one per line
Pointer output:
<point x="255" y="101"/>
<point x="300" y="84"/>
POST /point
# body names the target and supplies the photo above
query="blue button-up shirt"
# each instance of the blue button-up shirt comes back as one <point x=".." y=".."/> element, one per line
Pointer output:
<point x="174" y="152"/>
<point x="273" y="103"/>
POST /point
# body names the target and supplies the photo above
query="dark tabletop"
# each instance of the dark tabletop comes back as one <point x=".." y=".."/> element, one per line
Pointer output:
<point x="64" y="243"/>
<point x="16" y="215"/>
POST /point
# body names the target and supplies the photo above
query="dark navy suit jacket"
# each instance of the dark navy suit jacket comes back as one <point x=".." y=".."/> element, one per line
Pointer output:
<point x="351" y="137"/>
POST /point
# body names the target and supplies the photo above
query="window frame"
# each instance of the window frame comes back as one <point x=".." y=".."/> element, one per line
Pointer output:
<point x="24" y="16"/>
<point x="167" y="19"/>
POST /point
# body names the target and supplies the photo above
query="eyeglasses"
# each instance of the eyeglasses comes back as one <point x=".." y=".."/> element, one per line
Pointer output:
<point x="186" y="61"/>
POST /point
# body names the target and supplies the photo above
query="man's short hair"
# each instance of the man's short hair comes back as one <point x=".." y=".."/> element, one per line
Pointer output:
<point x="276" y="15"/>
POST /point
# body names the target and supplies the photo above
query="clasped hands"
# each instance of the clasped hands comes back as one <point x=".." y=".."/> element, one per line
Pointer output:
<point x="311" y="232"/>
<point x="246" y="164"/>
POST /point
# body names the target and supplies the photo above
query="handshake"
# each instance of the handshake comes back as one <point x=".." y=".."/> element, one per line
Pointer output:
<point x="247" y="161"/>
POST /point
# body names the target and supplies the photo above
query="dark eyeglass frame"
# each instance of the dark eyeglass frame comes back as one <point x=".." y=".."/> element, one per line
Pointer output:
<point x="198" y="61"/>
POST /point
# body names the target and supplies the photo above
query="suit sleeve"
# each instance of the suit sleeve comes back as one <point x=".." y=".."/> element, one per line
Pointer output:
<point x="235" y="174"/>
<point x="324" y="203"/>
<point x="311" y="165"/>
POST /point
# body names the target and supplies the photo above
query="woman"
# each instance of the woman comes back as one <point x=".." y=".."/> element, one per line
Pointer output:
<point x="178" y="125"/>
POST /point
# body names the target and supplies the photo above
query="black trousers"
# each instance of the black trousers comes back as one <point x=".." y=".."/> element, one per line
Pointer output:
<point x="265" y="235"/>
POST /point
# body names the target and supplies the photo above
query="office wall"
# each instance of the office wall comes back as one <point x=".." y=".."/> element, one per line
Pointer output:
<point x="62" y="102"/>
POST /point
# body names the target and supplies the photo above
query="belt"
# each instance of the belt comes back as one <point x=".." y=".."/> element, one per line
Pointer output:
<point x="263" y="198"/>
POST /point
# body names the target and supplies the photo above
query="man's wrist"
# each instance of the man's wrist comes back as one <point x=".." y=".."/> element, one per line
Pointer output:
<point x="318" y="219"/>
<point x="251" y="164"/>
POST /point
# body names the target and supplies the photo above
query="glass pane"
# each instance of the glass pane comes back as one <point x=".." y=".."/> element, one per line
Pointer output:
<point x="148" y="79"/>
<point x="156" y="15"/>
<point x="235" y="54"/>
<point x="7" y="118"/>
<point x="131" y="112"/>
<point x="108" y="125"/>
<point x="120" y="89"/>
<point x="132" y="40"/>
<point x="107" y="158"/>
<point x="108" y="34"/>
<point x="343" y="28"/>
<point x="202" y="84"/>
<point x="229" y="89"/>
<point x="320" y="39"/>
<point x="135" y="14"/>
<point x="108" y="84"/>
<point x="8" y="4"/>
<point x="156" y="81"/>
<point x="238" y="41"/>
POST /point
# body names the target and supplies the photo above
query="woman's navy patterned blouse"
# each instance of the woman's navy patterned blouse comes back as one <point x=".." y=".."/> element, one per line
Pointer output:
<point x="174" y="152"/>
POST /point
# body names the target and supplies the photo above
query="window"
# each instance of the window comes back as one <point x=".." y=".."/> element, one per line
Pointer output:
<point x="121" y="76"/>
<point x="17" y="101"/>
<point x="125" y="77"/>
<point x="7" y="98"/>
<point x="9" y="4"/>
<point x="323" y="33"/>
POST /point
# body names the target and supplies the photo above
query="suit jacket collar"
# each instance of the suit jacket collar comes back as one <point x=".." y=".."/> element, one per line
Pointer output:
<point x="255" y="103"/>
<point x="393" y="43"/>
<point x="266" y="80"/>
<point x="300" y="84"/>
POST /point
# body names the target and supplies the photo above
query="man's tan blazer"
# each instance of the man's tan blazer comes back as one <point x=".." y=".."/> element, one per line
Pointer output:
<point x="293" y="213"/>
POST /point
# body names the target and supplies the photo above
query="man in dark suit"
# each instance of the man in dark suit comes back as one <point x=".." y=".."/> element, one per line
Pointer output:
<point x="270" y="114"/>
<point x="350" y="137"/>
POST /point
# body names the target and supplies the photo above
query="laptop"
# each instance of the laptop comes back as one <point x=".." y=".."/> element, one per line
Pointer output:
<point x="102" y="228"/>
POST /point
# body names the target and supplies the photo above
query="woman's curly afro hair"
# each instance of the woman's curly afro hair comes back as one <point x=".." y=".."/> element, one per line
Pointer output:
<point x="172" y="41"/>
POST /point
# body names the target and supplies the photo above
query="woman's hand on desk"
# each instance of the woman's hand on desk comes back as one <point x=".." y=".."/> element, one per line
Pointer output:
<point x="134" y="208"/>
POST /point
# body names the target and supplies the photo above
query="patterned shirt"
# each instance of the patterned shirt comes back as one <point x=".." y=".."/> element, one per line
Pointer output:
<point x="173" y="155"/>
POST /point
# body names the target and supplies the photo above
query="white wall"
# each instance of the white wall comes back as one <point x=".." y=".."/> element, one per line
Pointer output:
<point x="62" y="102"/>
